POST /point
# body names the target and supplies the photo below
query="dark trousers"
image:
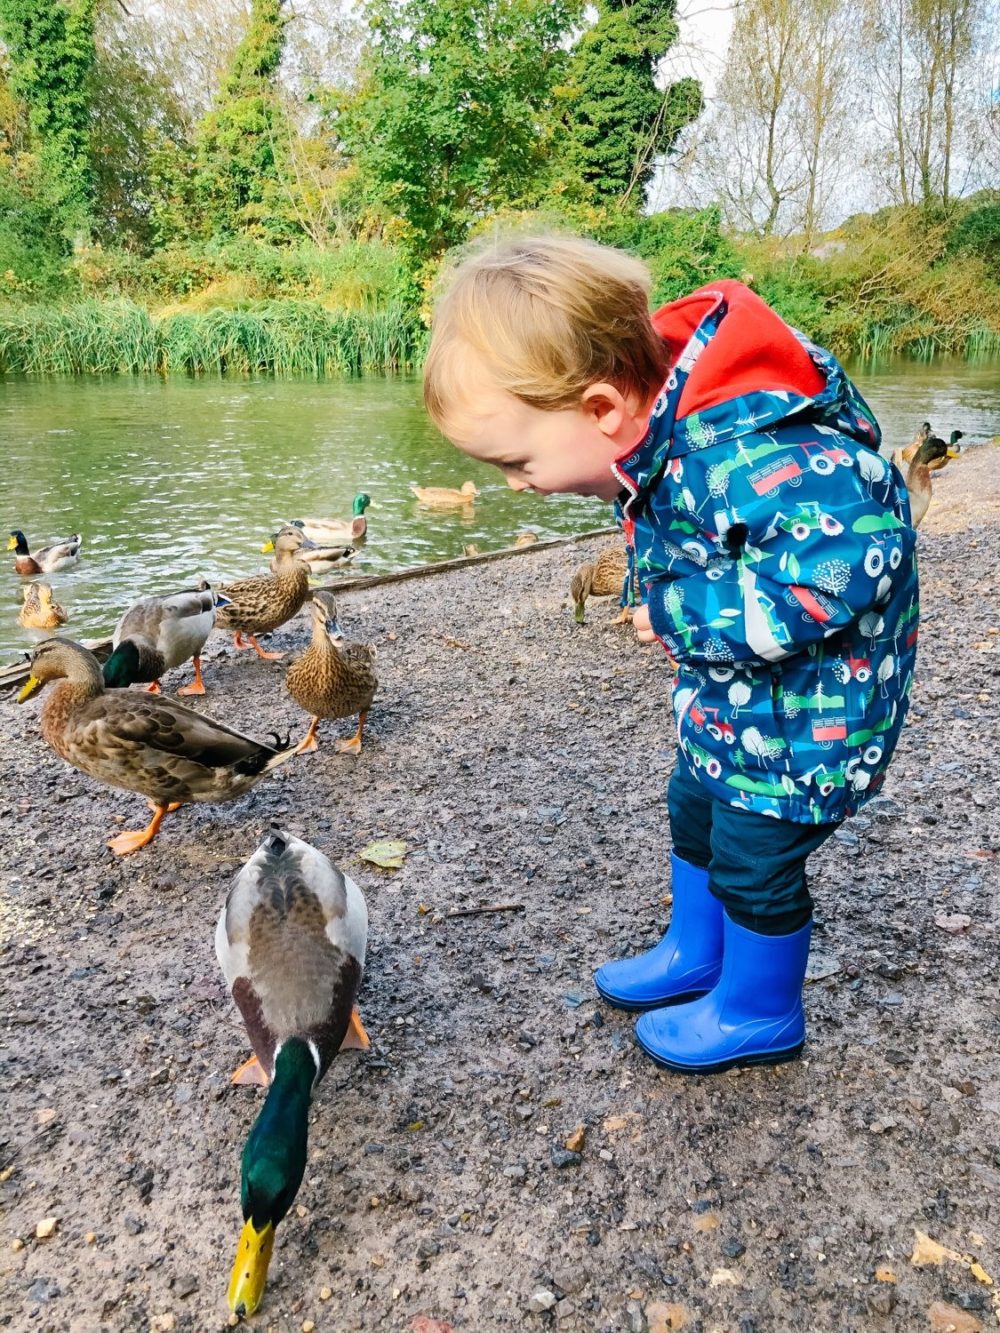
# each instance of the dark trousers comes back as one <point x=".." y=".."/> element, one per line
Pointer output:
<point x="756" y="865"/>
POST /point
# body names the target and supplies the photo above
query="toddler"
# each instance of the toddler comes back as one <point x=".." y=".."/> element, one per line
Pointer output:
<point x="775" y="553"/>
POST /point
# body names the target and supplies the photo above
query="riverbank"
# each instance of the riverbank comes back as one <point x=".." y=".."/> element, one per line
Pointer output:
<point x="523" y="759"/>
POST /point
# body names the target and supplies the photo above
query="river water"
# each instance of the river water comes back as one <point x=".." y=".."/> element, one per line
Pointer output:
<point x="170" y="480"/>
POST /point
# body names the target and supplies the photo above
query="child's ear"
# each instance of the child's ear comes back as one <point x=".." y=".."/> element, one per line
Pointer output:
<point x="606" y="406"/>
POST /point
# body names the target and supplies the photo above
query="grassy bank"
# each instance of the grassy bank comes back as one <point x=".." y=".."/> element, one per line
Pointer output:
<point x="277" y="337"/>
<point x="905" y="281"/>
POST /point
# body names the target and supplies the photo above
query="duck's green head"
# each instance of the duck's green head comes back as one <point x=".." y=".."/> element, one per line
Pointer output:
<point x="274" y="1162"/>
<point x="361" y="503"/>
<point x="122" y="668"/>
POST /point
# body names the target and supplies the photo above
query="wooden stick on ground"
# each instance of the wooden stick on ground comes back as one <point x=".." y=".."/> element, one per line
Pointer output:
<point x="482" y="911"/>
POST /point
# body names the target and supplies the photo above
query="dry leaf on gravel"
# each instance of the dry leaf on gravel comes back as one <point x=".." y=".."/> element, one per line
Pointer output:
<point x="724" y="1277"/>
<point x="885" y="1274"/>
<point x="953" y="922"/>
<point x="666" y="1317"/>
<point x="945" y="1318"/>
<point x="388" y="855"/>
<point x="928" y="1251"/>
<point x="423" y="1323"/>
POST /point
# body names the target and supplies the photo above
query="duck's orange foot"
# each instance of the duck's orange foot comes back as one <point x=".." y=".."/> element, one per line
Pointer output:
<point x="262" y="652"/>
<point x="126" y="843"/>
<point x="154" y="688"/>
<point x="351" y="746"/>
<point x="250" y="1074"/>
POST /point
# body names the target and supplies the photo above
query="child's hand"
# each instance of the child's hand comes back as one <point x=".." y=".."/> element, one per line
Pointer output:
<point x="644" y="630"/>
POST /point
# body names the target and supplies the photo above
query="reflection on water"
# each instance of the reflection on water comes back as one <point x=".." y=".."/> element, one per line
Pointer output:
<point x="169" y="480"/>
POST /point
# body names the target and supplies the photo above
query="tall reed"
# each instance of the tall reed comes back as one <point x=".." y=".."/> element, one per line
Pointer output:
<point x="266" y="337"/>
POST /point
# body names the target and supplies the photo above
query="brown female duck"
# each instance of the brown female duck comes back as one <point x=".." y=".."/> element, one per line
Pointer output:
<point x="141" y="742"/>
<point x="261" y="603"/>
<point x="39" y="610"/>
<point x="332" y="678"/>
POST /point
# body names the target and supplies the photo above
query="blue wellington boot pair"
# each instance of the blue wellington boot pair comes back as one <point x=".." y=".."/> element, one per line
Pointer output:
<point x="749" y="1010"/>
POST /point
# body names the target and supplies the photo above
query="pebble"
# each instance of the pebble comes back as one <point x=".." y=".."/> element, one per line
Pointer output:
<point x="561" y="1157"/>
<point x="17" y="1243"/>
<point x="541" y="1300"/>
<point x="90" y="1238"/>
<point x="185" y="1285"/>
<point x="882" y="1299"/>
<point x="308" y="1326"/>
<point x="325" y="1293"/>
<point x="46" y="1227"/>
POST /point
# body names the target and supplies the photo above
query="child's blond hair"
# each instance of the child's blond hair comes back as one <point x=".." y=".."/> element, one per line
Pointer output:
<point x="546" y="316"/>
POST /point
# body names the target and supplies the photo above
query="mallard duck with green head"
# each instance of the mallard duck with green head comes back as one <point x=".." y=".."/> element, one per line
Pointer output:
<point x="47" y="559"/>
<point x="291" y="942"/>
<point x="331" y="531"/>
<point x="259" y="604"/>
<point x="158" y="633"/>
<point x="333" y="677"/>
<point x="144" y="743"/>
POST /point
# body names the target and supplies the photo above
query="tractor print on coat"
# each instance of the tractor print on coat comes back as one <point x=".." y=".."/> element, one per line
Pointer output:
<point x="774" y="547"/>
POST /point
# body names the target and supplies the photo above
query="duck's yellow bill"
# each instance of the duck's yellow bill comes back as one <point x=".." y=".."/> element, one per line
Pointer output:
<point x="32" y="686"/>
<point x="267" y="548"/>
<point x="249" y="1276"/>
<point x="11" y="543"/>
<point x="954" y="452"/>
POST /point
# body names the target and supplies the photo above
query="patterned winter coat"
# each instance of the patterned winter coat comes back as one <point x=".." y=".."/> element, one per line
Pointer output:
<point x="775" y="548"/>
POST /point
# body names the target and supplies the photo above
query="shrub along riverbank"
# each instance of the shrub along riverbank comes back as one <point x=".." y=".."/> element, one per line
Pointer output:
<point x="903" y="281"/>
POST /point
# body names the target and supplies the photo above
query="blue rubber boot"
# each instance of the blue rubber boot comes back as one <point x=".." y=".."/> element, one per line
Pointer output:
<point x="754" y="1015"/>
<point x="687" y="961"/>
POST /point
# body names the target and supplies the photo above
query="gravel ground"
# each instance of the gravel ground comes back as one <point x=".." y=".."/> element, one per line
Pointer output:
<point x="524" y="760"/>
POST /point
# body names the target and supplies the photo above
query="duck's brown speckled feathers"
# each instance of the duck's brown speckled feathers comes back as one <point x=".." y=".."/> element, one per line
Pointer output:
<point x="261" y="603"/>
<point x="142" y="742"/>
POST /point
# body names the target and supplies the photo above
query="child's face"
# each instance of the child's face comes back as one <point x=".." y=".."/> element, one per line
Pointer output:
<point x="566" y="451"/>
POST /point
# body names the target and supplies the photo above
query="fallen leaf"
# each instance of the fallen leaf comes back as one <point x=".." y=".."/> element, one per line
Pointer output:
<point x="927" y="1251"/>
<point x="423" y="1323"/>
<point x="723" y="1277"/>
<point x="706" y="1222"/>
<point x="945" y="1318"/>
<point x="388" y="855"/>
<point x="954" y="922"/>
<point x="663" y="1317"/>
<point x="885" y="1274"/>
<point x="980" y="1274"/>
<point x="575" y="1140"/>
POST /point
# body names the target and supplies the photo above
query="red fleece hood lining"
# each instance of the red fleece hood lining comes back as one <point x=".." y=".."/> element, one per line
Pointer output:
<point x="752" y="351"/>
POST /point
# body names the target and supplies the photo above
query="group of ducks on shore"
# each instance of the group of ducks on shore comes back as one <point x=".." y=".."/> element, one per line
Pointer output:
<point x="291" y="938"/>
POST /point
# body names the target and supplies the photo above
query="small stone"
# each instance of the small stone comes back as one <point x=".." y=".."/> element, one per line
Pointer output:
<point x="17" y="1243"/>
<point x="562" y="1157"/>
<point x="308" y="1326"/>
<point x="133" y="1225"/>
<point x="90" y="1237"/>
<point x="428" y="1248"/>
<point x="43" y="1289"/>
<point x="576" y="1140"/>
<point x="46" y="1227"/>
<point x="301" y="1210"/>
<point x="325" y="1293"/>
<point x="733" y="1247"/>
<point x="185" y="1285"/>
<point x="45" y="1116"/>
<point x="541" y="1300"/>
<point x="881" y="1300"/>
<point x="635" y="1318"/>
<point x="516" y="1172"/>
<point x="164" y="1323"/>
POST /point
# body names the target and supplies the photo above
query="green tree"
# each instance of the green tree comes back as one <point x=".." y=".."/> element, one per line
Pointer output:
<point x="453" y="116"/>
<point x="240" y="140"/>
<point x="50" y="46"/>
<point x="618" y="122"/>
